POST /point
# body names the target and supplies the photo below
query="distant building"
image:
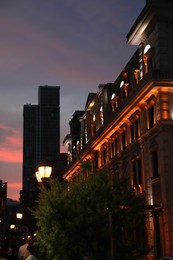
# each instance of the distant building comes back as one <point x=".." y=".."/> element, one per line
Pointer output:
<point x="128" y="124"/>
<point x="3" y="205"/>
<point x="41" y="140"/>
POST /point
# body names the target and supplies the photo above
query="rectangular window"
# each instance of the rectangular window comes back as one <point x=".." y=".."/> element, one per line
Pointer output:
<point x="132" y="133"/>
<point x="96" y="162"/>
<point x="112" y="149"/>
<point x="123" y="140"/>
<point x="116" y="146"/>
<point x="137" y="172"/>
<point x="154" y="157"/>
<point x="104" y="157"/>
<point x="136" y="126"/>
<point x="151" y="116"/>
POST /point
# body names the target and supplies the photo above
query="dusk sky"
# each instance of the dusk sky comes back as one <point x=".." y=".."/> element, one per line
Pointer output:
<point x="74" y="44"/>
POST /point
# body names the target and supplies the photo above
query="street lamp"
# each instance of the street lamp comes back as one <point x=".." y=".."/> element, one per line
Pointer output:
<point x="19" y="215"/>
<point x="43" y="173"/>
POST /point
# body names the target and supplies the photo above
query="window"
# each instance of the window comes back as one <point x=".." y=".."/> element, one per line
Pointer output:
<point x="148" y="58"/>
<point x="137" y="172"/>
<point x="96" y="160"/>
<point x="134" y="130"/>
<point x="151" y="116"/>
<point x="112" y="149"/>
<point x="93" y="125"/>
<point x="104" y="156"/>
<point x="101" y="114"/>
<point x="116" y="146"/>
<point x="114" y="102"/>
<point x="154" y="158"/>
<point x="123" y="140"/>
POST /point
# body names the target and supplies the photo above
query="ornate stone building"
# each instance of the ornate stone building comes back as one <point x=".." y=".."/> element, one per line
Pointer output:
<point x="128" y="124"/>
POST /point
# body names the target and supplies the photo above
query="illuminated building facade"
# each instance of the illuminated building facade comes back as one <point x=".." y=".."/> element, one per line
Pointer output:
<point x="128" y="124"/>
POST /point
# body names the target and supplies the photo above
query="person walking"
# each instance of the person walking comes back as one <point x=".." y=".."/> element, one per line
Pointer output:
<point x="31" y="255"/>
<point x="23" y="252"/>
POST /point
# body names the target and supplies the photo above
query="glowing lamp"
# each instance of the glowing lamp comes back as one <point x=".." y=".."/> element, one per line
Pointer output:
<point x="19" y="215"/>
<point x="43" y="172"/>
<point x="12" y="226"/>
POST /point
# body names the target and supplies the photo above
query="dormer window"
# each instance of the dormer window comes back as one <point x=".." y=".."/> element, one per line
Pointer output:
<point x="124" y="85"/>
<point x="147" y="58"/>
<point x="114" y="101"/>
<point x="101" y="114"/>
<point x="93" y="125"/>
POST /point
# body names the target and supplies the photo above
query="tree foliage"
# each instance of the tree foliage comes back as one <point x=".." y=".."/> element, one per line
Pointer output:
<point x="97" y="215"/>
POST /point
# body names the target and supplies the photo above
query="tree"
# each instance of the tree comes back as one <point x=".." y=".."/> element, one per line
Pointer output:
<point x="90" y="216"/>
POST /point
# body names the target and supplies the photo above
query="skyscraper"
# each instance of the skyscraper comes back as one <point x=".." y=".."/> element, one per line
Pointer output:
<point x="48" y="143"/>
<point x="41" y="132"/>
<point x="41" y="141"/>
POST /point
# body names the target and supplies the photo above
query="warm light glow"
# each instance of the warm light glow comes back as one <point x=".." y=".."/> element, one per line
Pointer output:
<point x="38" y="176"/>
<point x="121" y="84"/>
<point x="91" y="104"/>
<point x="113" y="95"/>
<point x="43" y="172"/>
<point x="19" y="215"/>
<point x="147" y="47"/>
<point x="12" y="226"/>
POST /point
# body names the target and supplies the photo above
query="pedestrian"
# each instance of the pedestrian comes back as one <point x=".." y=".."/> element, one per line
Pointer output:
<point x="31" y="253"/>
<point x="23" y="252"/>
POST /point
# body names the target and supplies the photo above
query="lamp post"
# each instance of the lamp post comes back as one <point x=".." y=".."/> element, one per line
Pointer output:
<point x="19" y="216"/>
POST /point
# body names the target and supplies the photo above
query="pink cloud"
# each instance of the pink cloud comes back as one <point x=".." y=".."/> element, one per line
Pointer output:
<point x="10" y="144"/>
<point x="15" y="185"/>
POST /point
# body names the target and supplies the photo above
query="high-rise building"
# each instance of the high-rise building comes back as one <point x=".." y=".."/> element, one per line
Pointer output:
<point x="41" y="142"/>
<point x="41" y="133"/>
<point x="29" y="146"/>
<point x="48" y="142"/>
<point x="128" y="124"/>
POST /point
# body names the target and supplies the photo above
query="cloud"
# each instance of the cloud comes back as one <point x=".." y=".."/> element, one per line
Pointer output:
<point x="10" y="144"/>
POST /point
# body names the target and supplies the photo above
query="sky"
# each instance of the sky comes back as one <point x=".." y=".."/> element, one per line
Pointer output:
<point x="74" y="44"/>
